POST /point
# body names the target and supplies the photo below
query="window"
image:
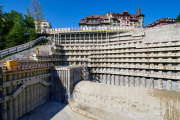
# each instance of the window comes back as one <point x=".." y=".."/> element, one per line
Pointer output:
<point x="106" y="20"/>
<point x="44" y="24"/>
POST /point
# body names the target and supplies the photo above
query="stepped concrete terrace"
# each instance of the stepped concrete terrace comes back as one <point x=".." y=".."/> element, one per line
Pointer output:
<point x="97" y="73"/>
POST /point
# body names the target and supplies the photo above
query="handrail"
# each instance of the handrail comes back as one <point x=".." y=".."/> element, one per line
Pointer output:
<point x="19" y="48"/>
<point x="76" y="29"/>
<point x="107" y="28"/>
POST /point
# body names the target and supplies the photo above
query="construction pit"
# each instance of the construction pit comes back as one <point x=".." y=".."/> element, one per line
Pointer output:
<point x="99" y="74"/>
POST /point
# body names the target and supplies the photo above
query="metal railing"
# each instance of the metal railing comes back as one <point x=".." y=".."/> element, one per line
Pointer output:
<point x="78" y="29"/>
<point x="19" y="48"/>
<point x="107" y="28"/>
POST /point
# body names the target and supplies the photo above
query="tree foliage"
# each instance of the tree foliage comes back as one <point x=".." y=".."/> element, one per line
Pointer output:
<point x="16" y="28"/>
<point x="37" y="13"/>
<point x="178" y="18"/>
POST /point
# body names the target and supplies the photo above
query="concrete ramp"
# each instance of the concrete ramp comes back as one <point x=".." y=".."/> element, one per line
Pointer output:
<point x="110" y="102"/>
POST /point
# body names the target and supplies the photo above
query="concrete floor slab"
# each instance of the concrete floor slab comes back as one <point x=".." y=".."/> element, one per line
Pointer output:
<point x="54" y="111"/>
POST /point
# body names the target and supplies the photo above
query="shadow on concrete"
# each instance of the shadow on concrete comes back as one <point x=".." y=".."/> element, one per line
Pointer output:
<point x="45" y="111"/>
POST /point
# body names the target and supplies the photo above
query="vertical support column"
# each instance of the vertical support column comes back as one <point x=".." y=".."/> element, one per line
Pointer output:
<point x="35" y="92"/>
<point x="31" y="93"/>
<point x="127" y="81"/>
<point x="79" y="37"/>
<point x="10" y="101"/>
<point x="60" y="38"/>
<point x="54" y="37"/>
<point x="69" y="95"/>
<point x="15" y="101"/>
<point x="23" y="98"/>
<point x="65" y="39"/>
<point x="93" y="38"/>
<point x="106" y="37"/>
<point x="84" y="38"/>
<point x="178" y="85"/>
<point x="101" y="38"/>
<point x="4" y="107"/>
<point x="89" y="38"/>
<point x="144" y="82"/>
<point x="160" y="83"/>
<point x="169" y="85"/>
<point x="151" y="82"/>
<point x="137" y="81"/>
<point x="118" y="36"/>
<point x="75" y="38"/>
<point x="19" y="100"/>
<point x="27" y="95"/>
<point x="132" y="84"/>
<point x="70" y="38"/>
<point x="97" y="38"/>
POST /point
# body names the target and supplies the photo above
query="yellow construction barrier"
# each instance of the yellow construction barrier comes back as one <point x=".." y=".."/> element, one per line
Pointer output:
<point x="11" y="65"/>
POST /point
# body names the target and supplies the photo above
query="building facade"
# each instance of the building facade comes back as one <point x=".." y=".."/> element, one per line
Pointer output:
<point x="43" y="26"/>
<point x="161" y="22"/>
<point x="114" y="19"/>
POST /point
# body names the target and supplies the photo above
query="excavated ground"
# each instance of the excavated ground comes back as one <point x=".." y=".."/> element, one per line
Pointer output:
<point x="54" y="111"/>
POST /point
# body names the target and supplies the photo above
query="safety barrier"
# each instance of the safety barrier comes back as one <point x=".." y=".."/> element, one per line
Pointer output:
<point x="78" y="29"/>
<point x="25" y="67"/>
<point x="19" y="48"/>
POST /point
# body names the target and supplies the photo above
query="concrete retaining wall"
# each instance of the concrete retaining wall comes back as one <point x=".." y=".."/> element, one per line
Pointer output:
<point x="163" y="33"/>
<point x="131" y="81"/>
<point x="102" y="101"/>
<point x="24" y="91"/>
<point x="64" y="79"/>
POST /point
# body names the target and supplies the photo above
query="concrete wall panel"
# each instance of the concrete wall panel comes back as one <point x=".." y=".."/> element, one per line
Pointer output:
<point x="122" y="102"/>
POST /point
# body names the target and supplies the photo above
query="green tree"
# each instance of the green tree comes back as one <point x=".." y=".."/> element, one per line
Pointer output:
<point x="178" y="18"/>
<point x="16" y="28"/>
<point x="30" y="26"/>
<point x="17" y="34"/>
<point x="1" y="30"/>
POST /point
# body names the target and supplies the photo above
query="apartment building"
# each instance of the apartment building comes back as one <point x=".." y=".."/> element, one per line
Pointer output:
<point x="45" y="24"/>
<point x="114" y="19"/>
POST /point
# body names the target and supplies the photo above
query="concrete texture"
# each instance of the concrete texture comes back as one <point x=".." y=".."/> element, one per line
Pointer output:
<point x="107" y="102"/>
<point x="63" y="81"/>
<point x="162" y="33"/>
<point x="54" y="111"/>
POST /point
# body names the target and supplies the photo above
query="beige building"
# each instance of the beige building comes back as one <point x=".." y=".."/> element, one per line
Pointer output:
<point x="114" y="19"/>
<point x="44" y="25"/>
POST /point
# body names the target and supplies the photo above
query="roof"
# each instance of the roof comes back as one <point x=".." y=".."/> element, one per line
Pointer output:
<point x="97" y="17"/>
<point x="138" y="11"/>
<point x="162" y="20"/>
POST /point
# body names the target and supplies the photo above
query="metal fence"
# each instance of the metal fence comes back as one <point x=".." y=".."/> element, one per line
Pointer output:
<point x="19" y="48"/>
<point x="77" y="29"/>
<point x="107" y="28"/>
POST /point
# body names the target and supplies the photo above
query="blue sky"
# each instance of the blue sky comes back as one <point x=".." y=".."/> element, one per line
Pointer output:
<point x="67" y="13"/>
